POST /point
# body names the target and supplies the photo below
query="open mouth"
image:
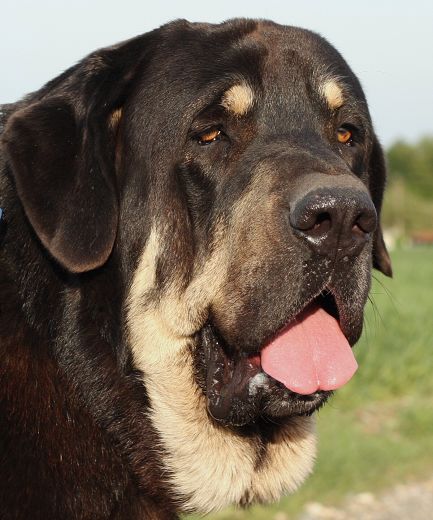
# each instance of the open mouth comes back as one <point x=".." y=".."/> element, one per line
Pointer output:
<point x="293" y="373"/>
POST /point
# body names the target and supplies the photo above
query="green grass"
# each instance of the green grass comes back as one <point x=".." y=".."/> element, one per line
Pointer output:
<point x="378" y="430"/>
<point x="405" y="210"/>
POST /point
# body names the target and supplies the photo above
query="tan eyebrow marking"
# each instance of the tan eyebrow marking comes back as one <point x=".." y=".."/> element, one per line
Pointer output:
<point x="114" y="119"/>
<point x="238" y="99"/>
<point x="333" y="93"/>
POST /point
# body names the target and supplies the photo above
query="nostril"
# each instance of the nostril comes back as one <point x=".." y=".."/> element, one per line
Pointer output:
<point x="307" y="220"/>
<point x="322" y="224"/>
<point x="365" y="222"/>
<point x="358" y="232"/>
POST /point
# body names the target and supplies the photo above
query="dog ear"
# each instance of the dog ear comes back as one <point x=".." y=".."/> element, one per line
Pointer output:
<point x="377" y="169"/>
<point x="60" y="146"/>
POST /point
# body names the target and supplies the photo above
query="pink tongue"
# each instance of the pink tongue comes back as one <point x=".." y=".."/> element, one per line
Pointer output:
<point x="310" y="354"/>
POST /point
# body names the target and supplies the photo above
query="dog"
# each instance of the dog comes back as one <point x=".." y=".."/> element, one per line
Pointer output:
<point x="190" y="220"/>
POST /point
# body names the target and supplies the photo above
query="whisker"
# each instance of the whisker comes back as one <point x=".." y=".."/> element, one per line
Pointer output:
<point x="387" y="291"/>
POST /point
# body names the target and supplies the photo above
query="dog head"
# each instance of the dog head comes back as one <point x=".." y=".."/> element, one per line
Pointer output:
<point x="234" y="173"/>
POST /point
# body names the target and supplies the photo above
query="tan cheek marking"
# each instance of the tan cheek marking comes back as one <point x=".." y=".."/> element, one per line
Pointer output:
<point x="144" y="327"/>
<point x="333" y="94"/>
<point x="113" y="125"/>
<point x="210" y="465"/>
<point x="114" y="119"/>
<point x="158" y="329"/>
<point x="238" y="99"/>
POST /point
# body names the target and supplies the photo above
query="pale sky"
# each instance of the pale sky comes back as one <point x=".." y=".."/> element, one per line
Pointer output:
<point x="388" y="44"/>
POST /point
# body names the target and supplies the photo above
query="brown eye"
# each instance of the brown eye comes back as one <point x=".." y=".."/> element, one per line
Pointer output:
<point x="344" y="135"/>
<point x="209" y="136"/>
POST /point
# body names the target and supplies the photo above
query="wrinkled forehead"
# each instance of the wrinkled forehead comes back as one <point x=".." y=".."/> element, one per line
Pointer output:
<point x="282" y="69"/>
<point x="298" y="75"/>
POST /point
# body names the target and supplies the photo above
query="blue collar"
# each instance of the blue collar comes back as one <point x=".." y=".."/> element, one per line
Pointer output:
<point x="1" y="215"/>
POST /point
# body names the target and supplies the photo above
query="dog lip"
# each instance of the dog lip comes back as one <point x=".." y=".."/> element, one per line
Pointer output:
<point x="227" y="378"/>
<point x="233" y="384"/>
<point x="331" y="300"/>
<point x="237" y="389"/>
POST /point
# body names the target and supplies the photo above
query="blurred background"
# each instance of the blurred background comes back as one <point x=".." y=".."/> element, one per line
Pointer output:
<point x="376" y="436"/>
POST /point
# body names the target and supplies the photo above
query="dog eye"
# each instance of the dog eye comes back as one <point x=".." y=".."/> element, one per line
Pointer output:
<point x="344" y="135"/>
<point x="209" y="136"/>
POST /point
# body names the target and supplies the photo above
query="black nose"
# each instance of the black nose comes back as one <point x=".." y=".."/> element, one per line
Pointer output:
<point x="334" y="221"/>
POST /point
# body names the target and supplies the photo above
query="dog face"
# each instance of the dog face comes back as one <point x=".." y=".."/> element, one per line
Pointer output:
<point x="233" y="174"/>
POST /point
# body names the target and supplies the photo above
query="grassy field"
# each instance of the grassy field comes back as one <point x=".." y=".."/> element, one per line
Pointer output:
<point x="378" y="430"/>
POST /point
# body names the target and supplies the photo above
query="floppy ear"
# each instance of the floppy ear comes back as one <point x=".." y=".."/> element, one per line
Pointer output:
<point x="377" y="168"/>
<point x="60" y="147"/>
